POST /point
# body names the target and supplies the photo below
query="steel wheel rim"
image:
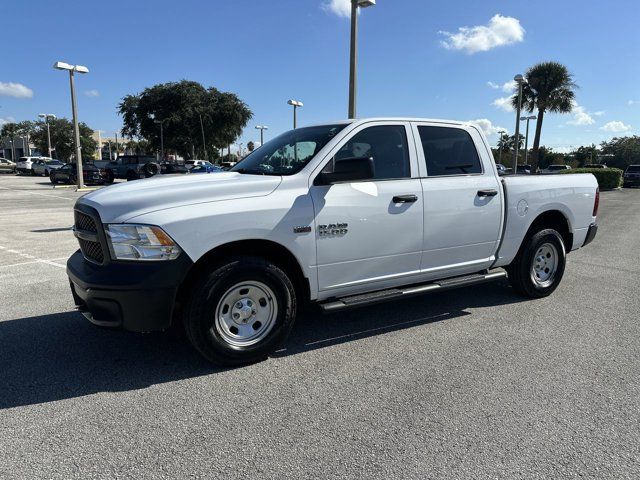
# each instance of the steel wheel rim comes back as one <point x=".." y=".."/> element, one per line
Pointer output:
<point x="545" y="265"/>
<point x="246" y="313"/>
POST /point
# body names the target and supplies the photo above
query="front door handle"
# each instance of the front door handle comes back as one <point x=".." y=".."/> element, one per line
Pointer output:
<point x="405" y="198"/>
<point x="487" y="193"/>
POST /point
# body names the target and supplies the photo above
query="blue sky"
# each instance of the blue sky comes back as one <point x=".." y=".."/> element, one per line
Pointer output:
<point x="270" y="51"/>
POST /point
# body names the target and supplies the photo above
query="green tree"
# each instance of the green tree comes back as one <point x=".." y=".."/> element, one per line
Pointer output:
<point x="62" y="138"/>
<point x="181" y="106"/>
<point x="625" y="151"/>
<point x="549" y="88"/>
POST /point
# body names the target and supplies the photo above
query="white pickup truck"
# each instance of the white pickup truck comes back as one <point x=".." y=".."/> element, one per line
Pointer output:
<point x="344" y="214"/>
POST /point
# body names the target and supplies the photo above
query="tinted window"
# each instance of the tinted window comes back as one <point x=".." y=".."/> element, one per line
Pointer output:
<point x="386" y="144"/>
<point x="633" y="168"/>
<point x="449" y="151"/>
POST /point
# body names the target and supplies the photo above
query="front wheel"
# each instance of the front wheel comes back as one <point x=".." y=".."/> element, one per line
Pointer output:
<point x="240" y="312"/>
<point x="539" y="266"/>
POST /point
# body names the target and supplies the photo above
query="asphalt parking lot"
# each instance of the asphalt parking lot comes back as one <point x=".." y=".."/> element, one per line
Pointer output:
<point x="472" y="383"/>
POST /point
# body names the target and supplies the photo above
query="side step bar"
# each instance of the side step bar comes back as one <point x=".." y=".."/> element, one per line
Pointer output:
<point x="396" y="293"/>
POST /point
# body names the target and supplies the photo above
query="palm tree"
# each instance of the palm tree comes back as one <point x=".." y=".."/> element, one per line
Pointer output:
<point x="549" y="88"/>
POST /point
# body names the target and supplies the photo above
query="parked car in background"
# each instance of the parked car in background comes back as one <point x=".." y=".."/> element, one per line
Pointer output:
<point x="7" y="166"/>
<point x="344" y="214"/>
<point x="206" y="167"/>
<point x="25" y="164"/>
<point x="596" y="165"/>
<point x="131" y="167"/>
<point x="44" y="167"/>
<point x="502" y="170"/>
<point x="556" y="168"/>
<point x="168" y="168"/>
<point x="67" y="174"/>
<point x="631" y="176"/>
<point x="524" y="169"/>
<point x="193" y="163"/>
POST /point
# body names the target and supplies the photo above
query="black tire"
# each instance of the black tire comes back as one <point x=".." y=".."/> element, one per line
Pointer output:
<point x="109" y="177"/>
<point x="521" y="270"/>
<point x="132" y="175"/>
<point x="53" y="180"/>
<point x="150" y="169"/>
<point x="199" y="315"/>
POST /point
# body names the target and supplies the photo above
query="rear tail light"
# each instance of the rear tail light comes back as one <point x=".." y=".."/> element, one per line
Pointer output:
<point x="596" y="202"/>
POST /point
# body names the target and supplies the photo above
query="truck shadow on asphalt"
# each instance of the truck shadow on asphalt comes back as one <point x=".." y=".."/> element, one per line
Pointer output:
<point x="59" y="356"/>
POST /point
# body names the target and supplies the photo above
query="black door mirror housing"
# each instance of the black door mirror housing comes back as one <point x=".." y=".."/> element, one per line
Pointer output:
<point x="348" y="170"/>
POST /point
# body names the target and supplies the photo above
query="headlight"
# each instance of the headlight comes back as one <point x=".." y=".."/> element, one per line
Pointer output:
<point x="140" y="242"/>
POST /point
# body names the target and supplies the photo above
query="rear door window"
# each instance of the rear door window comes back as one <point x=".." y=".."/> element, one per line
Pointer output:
<point x="449" y="151"/>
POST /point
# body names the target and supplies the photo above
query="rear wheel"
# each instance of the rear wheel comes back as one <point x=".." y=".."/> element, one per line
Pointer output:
<point x="240" y="312"/>
<point x="539" y="266"/>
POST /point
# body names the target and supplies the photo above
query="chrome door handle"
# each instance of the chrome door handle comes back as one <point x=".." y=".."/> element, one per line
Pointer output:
<point x="405" y="198"/>
<point x="487" y="193"/>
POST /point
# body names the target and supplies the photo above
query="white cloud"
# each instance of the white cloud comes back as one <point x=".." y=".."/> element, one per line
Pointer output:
<point x="7" y="120"/>
<point x="495" y="86"/>
<point x="580" y="116"/>
<point x="509" y="87"/>
<point x="503" y="103"/>
<point x="92" y="93"/>
<point x="598" y="113"/>
<point x="486" y="126"/>
<point x="16" y="90"/>
<point x="498" y="32"/>
<point x="615" y="127"/>
<point x="633" y="102"/>
<point x="342" y="8"/>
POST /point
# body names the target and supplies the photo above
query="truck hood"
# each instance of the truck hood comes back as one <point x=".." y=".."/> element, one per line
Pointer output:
<point x="122" y="202"/>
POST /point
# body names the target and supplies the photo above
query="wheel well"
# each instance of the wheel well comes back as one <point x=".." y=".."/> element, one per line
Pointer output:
<point x="271" y="251"/>
<point x="553" y="219"/>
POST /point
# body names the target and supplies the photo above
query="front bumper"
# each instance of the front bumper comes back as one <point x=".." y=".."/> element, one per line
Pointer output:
<point x="132" y="295"/>
<point x="591" y="234"/>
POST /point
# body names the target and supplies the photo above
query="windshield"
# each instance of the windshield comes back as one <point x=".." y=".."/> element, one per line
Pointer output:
<point x="288" y="153"/>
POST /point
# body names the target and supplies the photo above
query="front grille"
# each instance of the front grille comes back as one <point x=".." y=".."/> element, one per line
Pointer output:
<point x="85" y="222"/>
<point x="91" y="250"/>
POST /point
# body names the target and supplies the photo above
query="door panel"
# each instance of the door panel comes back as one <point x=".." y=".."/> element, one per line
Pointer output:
<point x="373" y="238"/>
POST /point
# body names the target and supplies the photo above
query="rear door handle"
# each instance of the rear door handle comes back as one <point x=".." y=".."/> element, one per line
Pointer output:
<point x="405" y="198"/>
<point x="487" y="193"/>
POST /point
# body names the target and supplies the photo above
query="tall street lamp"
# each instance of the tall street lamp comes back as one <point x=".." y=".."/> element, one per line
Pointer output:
<point x="116" y="147"/>
<point x="72" y="69"/>
<point x="353" y="54"/>
<point x="295" y="104"/>
<point x="46" y="117"/>
<point x="526" y="137"/>
<point x="160" y="122"/>
<point x="519" y="79"/>
<point x="262" y="128"/>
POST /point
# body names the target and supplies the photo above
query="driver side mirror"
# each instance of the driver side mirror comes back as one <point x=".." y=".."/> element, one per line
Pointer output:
<point x="348" y="170"/>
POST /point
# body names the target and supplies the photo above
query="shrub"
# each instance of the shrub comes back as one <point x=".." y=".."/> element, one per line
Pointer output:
<point x="607" y="177"/>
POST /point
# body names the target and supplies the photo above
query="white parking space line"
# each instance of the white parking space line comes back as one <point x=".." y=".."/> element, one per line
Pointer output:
<point x="37" y="193"/>
<point x="32" y="258"/>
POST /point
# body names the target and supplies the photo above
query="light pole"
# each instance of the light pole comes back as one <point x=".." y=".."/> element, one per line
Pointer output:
<point x="72" y="69"/>
<point x="46" y="117"/>
<point x="160" y="122"/>
<point x="116" y="147"/>
<point x="353" y="53"/>
<point x="262" y="128"/>
<point x="526" y="137"/>
<point x="519" y="79"/>
<point x="295" y="104"/>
